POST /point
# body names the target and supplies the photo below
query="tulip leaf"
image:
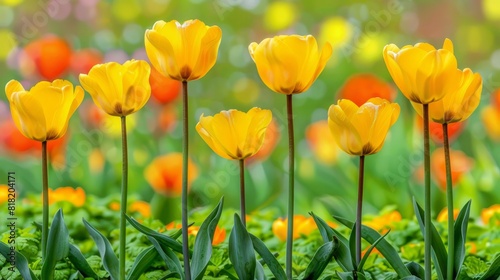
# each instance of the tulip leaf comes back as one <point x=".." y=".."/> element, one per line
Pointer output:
<point x="162" y="238"/>
<point x="494" y="271"/>
<point x="342" y="255"/>
<point x="20" y="261"/>
<point x="108" y="257"/>
<point x="384" y="247"/>
<point x="241" y="251"/>
<point x="202" y="251"/>
<point x="268" y="257"/>
<point x="460" y="231"/>
<point x="259" y="271"/>
<point x="78" y="260"/>
<point x="439" y="255"/>
<point x="349" y="275"/>
<point x="411" y="277"/>
<point x="320" y="260"/>
<point x="142" y="263"/>
<point x="352" y="247"/>
<point x="416" y="269"/>
<point x="169" y="257"/>
<point x="370" y="249"/>
<point x="57" y="245"/>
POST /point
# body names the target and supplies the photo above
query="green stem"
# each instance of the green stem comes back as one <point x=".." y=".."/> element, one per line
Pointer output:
<point x="184" y="211"/>
<point x="449" y="196"/>
<point x="359" y="213"/>
<point x="427" y="198"/>
<point x="45" y="197"/>
<point x="242" y="193"/>
<point x="123" y="204"/>
<point x="291" y="158"/>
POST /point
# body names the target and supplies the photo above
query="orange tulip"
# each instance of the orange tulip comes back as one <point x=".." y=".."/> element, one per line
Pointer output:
<point x="83" y="60"/>
<point x="49" y="56"/>
<point x="141" y="207"/>
<point x="4" y="193"/>
<point x="490" y="116"/>
<point x="163" y="89"/>
<point x="302" y="226"/>
<point x="384" y="222"/>
<point x="69" y="194"/>
<point x="460" y="164"/>
<point x="164" y="174"/>
<point x="436" y="130"/>
<point x="443" y="215"/>
<point x="322" y="143"/>
<point x="361" y="87"/>
<point x="492" y="212"/>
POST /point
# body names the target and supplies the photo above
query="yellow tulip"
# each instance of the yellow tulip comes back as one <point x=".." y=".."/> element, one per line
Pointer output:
<point x="234" y="134"/>
<point x="119" y="90"/>
<point x="362" y="130"/>
<point x="458" y="105"/>
<point x="289" y="63"/>
<point x="422" y="73"/>
<point x="184" y="52"/>
<point x="43" y="112"/>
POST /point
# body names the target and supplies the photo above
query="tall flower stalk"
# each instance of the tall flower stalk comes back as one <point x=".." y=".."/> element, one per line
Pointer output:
<point x="289" y="64"/>
<point x="120" y="90"/>
<point x="183" y="52"/>
<point x="361" y="131"/>
<point x="42" y="114"/>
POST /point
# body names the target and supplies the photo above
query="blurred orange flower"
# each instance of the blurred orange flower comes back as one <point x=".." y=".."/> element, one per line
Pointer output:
<point x="384" y="222"/>
<point x="443" y="215"/>
<point x="219" y="233"/>
<point x="164" y="174"/>
<point x="49" y="57"/>
<point x="83" y="60"/>
<point x="361" y="87"/>
<point x="271" y="138"/>
<point x="4" y="193"/>
<point x="322" y="143"/>
<point x="436" y="130"/>
<point x="69" y="194"/>
<point x="302" y="226"/>
<point x="490" y="116"/>
<point x="114" y="206"/>
<point x="163" y="89"/>
<point x="491" y="212"/>
<point x="460" y="164"/>
<point x="141" y="207"/>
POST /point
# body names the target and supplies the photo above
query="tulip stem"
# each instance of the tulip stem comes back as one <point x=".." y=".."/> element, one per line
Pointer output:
<point x="291" y="157"/>
<point x="427" y="196"/>
<point x="45" y="198"/>
<point x="242" y="193"/>
<point x="184" y="210"/>
<point x="449" y="196"/>
<point x="360" y="208"/>
<point x="124" y="191"/>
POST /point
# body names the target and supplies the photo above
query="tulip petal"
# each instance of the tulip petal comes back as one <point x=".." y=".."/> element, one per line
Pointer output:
<point x="29" y="116"/>
<point x="11" y="87"/>
<point x="208" y="53"/>
<point x="162" y="56"/>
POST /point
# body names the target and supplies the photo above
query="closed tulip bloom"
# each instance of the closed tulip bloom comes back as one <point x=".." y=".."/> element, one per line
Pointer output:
<point x="43" y="112"/>
<point x="289" y="63"/>
<point x="459" y="104"/>
<point x="234" y="134"/>
<point x="183" y="52"/>
<point x="362" y="130"/>
<point x="119" y="89"/>
<point x="422" y="73"/>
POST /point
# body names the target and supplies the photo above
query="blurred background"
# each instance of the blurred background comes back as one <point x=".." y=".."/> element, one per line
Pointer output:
<point x="49" y="39"/>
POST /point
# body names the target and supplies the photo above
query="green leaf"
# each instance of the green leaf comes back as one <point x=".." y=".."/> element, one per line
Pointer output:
<point x="241" y="251"/>
<point x="259" y="271"/>
<point x="460" y="231"/>
<point x="349" y="275"/>
<point x="57" y="245"/>
<point x="352" y="247"/>
<point x="384" y="247"/>
<point x="439" y="255"/>
<point x="342" y="255"/>
<point x="21" y="262"/>
<point x="161" y="238"/>
<point x="109" y="259"/>
<point x="494" y="271"/>
<point x="412" y="277"/>
<point x="78" y="260"/>
<point x="416" y="270"/>
<point x="202" y="251"/>
<point x="142" y="263"/>
<point x="368" y="252"/>
<point x="168" y="257"/>
<point x="268" y="257"/>
<point x="320" y="260"/>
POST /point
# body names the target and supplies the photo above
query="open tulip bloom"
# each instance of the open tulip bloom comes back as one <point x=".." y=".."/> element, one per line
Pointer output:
<point x="42" y="114"/>
<point x="361" y="131"/>
<point x="236" y="135"/>
<point x="289" y="64"/>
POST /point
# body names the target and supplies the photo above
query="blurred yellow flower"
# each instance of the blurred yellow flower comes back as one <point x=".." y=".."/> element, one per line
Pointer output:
<point x="234" y="134"/>
<point x="302" y="226"/>
<point x="119" y="90"/>
<point x="490" y="116"/>
<point x="362" y="130"/>
<point x="164" y="174"/>
<point x="322" y="142"/>
<point x="422" y="73"/>
<point x="337" y="31"/>
<point x="289" y="63"/>
<point x="43" y="112"/>
<point x="9" y="42"/>
<point x="459" y="104"/>
<point x="280" y="15"/>
<point x="384" y="222"/>
<point x="184" y="52"/>
<point x="492" y="212"/>
<point x="141" y="207"/>
<point x="74" y="196"/>
<point x="4" y="193"/>
<point x="491" y="10"/>
<point x="443" y="215"/>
